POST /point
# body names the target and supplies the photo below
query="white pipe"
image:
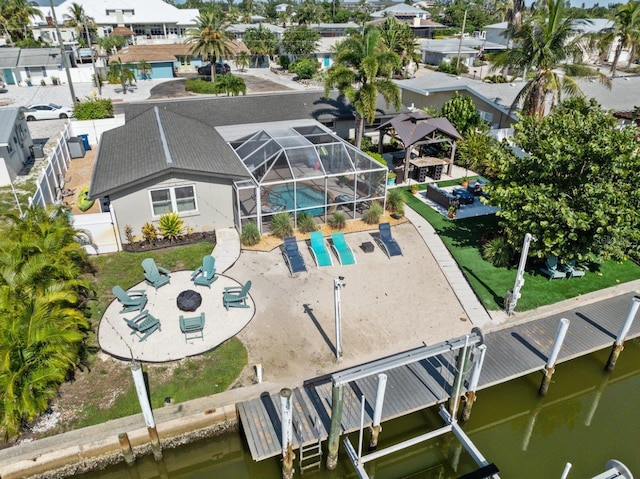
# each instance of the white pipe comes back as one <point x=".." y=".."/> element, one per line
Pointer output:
<point x="377" y="411"/>
<point x="565" y="473"/>
<point x="459" y="383"/>
<point x="477" y="368"/>
<point x="141" y="390"/>
<point x="286" y="419"/>
<point x="259" y="373"/>
<point x="633" y="309"/>
<point x="362" y="401"/>
<point x="557" y="343"/>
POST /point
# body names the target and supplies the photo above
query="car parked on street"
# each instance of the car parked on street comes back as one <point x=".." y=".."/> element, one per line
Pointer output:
<point x="221" y="69"/>
<point x="49" y="111"/>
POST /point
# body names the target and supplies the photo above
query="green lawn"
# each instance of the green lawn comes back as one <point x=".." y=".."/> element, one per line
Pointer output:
<point x="462" y="238"/>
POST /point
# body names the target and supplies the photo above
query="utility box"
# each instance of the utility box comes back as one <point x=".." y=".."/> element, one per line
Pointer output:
<point x="76" y="147"/>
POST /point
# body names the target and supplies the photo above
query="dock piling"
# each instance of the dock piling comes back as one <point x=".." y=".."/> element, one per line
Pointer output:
<point x="454" y="400"/>
<point x="147" y="413"/>
<point x="287" y="433"/>
<point x="376" y="428"/>
<point x="337" y="398"/>
<point x="618" y="345"/>
<point x="553" y="357"/>
<point x="470" y="396"/>
<point x="127" y="452"/>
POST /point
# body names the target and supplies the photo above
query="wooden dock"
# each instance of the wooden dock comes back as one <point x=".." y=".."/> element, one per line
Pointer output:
<point x="511" y="353"/>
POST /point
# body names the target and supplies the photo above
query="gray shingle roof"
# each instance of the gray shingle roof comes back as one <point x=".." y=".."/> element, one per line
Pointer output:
<point x="241" y="110"/>
<point x="9" y="57"/>
<point x="39" y="57"/>
<point x="157" y="142"/>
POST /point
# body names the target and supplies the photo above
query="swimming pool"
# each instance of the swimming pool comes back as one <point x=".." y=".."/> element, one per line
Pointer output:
<point x="305" y="196"/>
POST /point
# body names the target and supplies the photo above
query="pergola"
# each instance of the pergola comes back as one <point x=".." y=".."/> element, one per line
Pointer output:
<point x="418" y="129"/>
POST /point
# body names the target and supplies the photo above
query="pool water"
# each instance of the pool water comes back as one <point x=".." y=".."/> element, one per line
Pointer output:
<point x="309" y="199"/>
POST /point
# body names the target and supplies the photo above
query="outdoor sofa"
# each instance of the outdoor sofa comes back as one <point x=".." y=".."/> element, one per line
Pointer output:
<point x="442" y="197"/>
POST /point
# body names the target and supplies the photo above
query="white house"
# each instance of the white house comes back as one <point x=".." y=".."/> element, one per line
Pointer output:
<point x="149" y="20"/>
<point x="402" y="11"/>
<point x="15" y="144"/>
<point x="33" y="65"/>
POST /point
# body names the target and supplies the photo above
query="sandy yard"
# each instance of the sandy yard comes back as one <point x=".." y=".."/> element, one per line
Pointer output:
<point x="79" y="175"/>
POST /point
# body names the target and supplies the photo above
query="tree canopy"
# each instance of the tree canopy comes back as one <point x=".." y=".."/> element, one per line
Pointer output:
<point x="575" y="189"/>
<point x="300" y="41"/>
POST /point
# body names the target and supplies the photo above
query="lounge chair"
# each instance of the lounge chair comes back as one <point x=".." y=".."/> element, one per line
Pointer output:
<point x="205" y="274"/>
<point x="193" y="326"/>
<point x="236" y="296"/>
<point x="155" y="275"/>
<point x="143" y="325"/>
<point x="292" y="256"/>
<point x="386" y="241"/>
<point x="551" y="269"/>
<point x="318" y="249"/>
<point x="132" y="300"/>
<point x="342" y="249"/>
<point x="572" y="270"/>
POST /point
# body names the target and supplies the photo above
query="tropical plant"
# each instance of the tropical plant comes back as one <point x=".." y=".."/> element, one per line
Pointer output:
<point x="149" y="232"/>
<point x="15" y="15"/>
<point x="463" y="115"/>
<point x="498" y="252"/>
<point x="229" y="84"/>
<point x="93" y="109"/>
<point x="145" y="69"/>
<point x="395" y="201"/>
<point x="260" y="41"/>
<point x="111" y="42"/>
<point x="572" y="190"/>
<point x="250" y="234"/>
<point x="281" y="225"/>
<point x="81" y="21"/>
<point x="306" y="68"/>
<point x="400" y="39"/>
<point x="210" y="38"/>
<point x="128" y="233"/>
<point x="306" y="223"/>
<point x="171" y="225"/>
<point x="121" y="73"/>
<point x="300" y="41"/>
<point x="373" y="214"/>
<point x="546" y="45"/>
<point x="242" y="60"/>
<point x="475" y="151"/>
<point x="362" y="70"/>
<point x="338" y="220"/>
<point x="625" y="33"/>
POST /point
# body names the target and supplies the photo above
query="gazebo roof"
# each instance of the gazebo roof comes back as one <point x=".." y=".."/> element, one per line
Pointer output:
<point x="123" y="31"/>
<point x="413" y="127"/>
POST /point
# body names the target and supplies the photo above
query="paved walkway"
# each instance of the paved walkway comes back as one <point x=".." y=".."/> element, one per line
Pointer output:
<point x="475" y="311"/>
<point x="227" y="248"/>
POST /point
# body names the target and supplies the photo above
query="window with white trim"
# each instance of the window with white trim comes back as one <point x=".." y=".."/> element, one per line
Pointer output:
<point x="179" y="199"/>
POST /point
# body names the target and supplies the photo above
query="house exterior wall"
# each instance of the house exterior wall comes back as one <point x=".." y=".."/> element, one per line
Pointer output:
<point x="37" y="74"/>
<point x="159" y="70"/>
<point x="496" y="35"/>
<point x="437" y="99"/>
<point x="15" y="153"/>
<point x="214" y="203"/>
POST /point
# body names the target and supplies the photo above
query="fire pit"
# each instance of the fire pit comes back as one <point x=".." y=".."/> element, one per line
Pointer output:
<point x="189" y="300"/>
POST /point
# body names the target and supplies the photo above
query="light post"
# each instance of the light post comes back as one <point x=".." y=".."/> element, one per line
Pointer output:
<point x="65" y="60"/>
<point x="464" y="24"/>
<point x="337" y="309"/>
<point x="96" y="80"/>
<point x="512" y="297"/>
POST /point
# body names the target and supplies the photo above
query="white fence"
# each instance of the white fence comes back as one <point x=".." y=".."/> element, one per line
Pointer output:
<point x="95" y="128"/>
<point x="97" y="231"/>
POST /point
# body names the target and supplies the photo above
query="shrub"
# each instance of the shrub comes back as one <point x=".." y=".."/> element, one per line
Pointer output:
<point x="93" y="109"/>
<point x="306" y="224"/>
<point x="198" y="85"/>
<point x="306" y="68"/>
<point x="171" y="225"/>
<point x="496" y="79"/>
<point x="378" y="157"/>
<point x="149" y="233"/>
<point x="338" y="220"/>
<point x="281" y="225"/>
<point x="395" y="201"/>
<point x="373" y="214"/>
<point x="250" y="234"/>
<point x="284" y="61"/>
<point x="498" y="252"/>
<point x="450" y="68"/>
<point x="128" y="233"/>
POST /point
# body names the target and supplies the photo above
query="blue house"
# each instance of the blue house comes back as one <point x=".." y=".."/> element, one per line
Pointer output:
<point x="164" y="59"/>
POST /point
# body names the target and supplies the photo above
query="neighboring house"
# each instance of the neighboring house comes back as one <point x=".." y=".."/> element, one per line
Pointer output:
<point x="282" y="7"/>
<point x="419" y="20"/>
<point x="325" y="51"/>
<point x="334" y="29"/>
<point x="187" y="162"/>
<point x="239" y="29"/>
<point x="34" y="65"/>
<point x="15" y="144"/>
<point x="446" y="50"/>
<point x="164" y="59"/>
<point x="149" y="20"/>
<point x="402" y="11"/>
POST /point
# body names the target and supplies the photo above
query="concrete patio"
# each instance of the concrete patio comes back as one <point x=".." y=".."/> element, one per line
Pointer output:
<point x="169" y="344"/>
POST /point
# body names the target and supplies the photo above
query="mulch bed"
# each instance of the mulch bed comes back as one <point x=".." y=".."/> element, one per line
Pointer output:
<point x="161" y="243"/>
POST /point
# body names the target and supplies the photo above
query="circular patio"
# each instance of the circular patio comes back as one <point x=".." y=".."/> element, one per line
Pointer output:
<point x="168" y="343"/>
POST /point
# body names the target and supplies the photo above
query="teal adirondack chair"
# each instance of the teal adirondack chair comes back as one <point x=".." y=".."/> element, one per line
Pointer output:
<point x="319" y="250"/>
<point x="205" y="274"/>
<point x="236" y="296"/>
<point x="143" y="325"/>
<point x="342" y="249"/>
<point x="132" y="300"/>
<point x="573" y="271"/>
<point x="552" y="270"/>
<point x="155" y="275"/>
<point x="192" y="327"/>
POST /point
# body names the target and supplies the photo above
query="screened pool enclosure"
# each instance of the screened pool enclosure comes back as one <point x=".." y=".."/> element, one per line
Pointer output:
<point x="304" y="169"/>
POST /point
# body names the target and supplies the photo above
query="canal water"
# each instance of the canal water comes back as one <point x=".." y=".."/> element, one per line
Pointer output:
<point x="587" y="418"/>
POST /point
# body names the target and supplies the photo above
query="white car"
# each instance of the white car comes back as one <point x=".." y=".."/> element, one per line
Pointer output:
<point x="49" y="111"/>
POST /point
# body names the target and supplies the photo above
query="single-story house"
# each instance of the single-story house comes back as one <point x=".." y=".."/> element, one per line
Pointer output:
<point x="239" y="29"/>
<point x="15" y="144"/>
<point x="334" y="29"/>
<point x="419" y="20"/>
<point x="221" y="162"/>
<point x="164" y="59"/>
<point x="435" y="52"/>
<point x="34" y="65"/>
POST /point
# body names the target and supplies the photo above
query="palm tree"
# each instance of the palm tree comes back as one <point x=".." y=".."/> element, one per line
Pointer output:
<point x="243" y="59"/>
<point x="546" y="45"/>
<point x="362" y="70"/>
<point x="78" y="19"/>
<point x="626" y="31"/>
<point x="399" y="38"/>
<point x="145" y="69"/>
<point x="15" y="15"/>
<point x="121" y="73"/>
<point x="230" y="84"/>
<point x="210" y="38"/>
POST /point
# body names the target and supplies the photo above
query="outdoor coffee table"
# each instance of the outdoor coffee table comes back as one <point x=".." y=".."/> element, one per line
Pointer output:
<point x="189" y="300"/>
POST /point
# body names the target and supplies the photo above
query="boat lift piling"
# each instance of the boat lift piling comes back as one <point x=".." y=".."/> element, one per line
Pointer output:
<point x="337" y="399"/>
<point x="376" y="428"/>
<point x="551" y="361"/>
<point x="287" y="433"/>
<point x="147" y="413"/>
<point x="618" y="345"/>
<point x="454" y="399"/>
<point x="470" y="396"/>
